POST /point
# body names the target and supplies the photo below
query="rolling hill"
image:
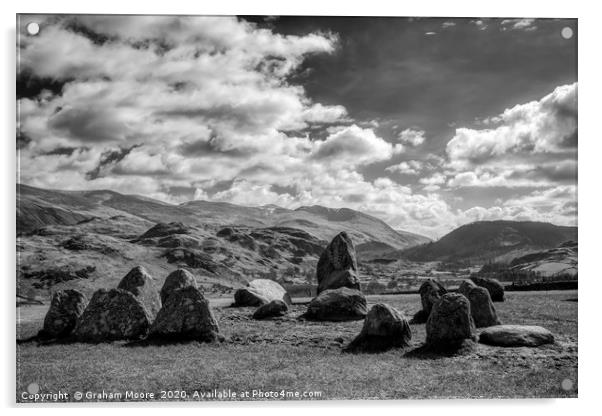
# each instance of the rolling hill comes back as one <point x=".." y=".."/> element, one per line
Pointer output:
<point x="483" y="241"/>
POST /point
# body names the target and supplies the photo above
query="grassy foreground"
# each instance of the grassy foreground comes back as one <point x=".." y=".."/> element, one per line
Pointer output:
<point x="290" y="359"/>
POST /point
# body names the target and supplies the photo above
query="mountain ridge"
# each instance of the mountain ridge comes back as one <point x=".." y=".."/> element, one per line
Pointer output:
<point x="322" y="222"/>
<point x="491" y="240"/>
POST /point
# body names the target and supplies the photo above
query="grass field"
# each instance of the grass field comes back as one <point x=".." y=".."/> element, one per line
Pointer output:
<point x="286" y="355"/>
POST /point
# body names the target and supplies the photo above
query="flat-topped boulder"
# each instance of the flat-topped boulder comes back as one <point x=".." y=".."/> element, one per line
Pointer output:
<point x="66" y="307"/>
<point x="495" y="288"/>
<point x="185" y="316"/>
<point x="270" y="310"/>
<point x="450" y="323"/>
<point x="384" y="328"/>
<point x="481" y="307"/>
<point x="141" y="284"/>
<point x="516" y="336"/>
<point x="337" y="266"/>
<point x="260" y="292"/>
<point x="342" y="304"/>
<point x="113" y="315"/>
<point x="177" y="279"/>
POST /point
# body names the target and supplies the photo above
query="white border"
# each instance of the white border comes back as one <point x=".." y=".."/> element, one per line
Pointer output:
<point x="590" y="204"/>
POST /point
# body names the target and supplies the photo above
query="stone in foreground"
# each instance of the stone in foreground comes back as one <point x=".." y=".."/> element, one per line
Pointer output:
<point x="342" y="304"/>
<point x="481" y="308"/>
<point x="177" y="279"/>
<point x="516" y="336"/>
<point x="384" y="328"/>
<point x="65" y="309"/>
<point x="430" y="292"/>
<point x="113" y="315"/>
<point x="140" y="283"/>
<point x="185" y="316"/>
<point x="450" y="323"/>
<point x="260" y="292"/>
<point x="495" y="288"/>
<point x="337" y="266"/>
<point x="270" y="310"/>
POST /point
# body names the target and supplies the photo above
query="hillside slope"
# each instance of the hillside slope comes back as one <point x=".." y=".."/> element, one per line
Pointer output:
<point x="561" y="260"/>
<point x="487" y="240"/>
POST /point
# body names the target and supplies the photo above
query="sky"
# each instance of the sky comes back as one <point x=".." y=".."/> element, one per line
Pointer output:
<point x="426" y="123"/>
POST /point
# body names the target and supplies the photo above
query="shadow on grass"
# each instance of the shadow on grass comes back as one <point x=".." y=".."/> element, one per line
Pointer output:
<point x="431" y="352"/>
<point x="42" y="339"/>
<point x="174" y="340"/>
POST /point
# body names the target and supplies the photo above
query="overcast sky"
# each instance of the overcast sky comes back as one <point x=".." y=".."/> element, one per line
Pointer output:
<point x="425" y="123"/>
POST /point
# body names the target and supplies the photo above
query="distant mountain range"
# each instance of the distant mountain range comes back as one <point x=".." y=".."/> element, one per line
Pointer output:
<point x="90" y="239"/>
<point x="483" y="241"/>
<point x="40" y="207"/>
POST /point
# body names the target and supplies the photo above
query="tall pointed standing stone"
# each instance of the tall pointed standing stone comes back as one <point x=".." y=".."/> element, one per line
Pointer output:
<point x="140" y="283"/>
<point x="337" y="266"/>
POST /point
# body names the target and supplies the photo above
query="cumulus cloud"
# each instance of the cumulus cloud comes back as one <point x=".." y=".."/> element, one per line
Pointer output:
<point x="545" y="126"/>
<point x="410" y="167"/>
<point x="411" y="137"/>
<point x="355" y="145"/>
<point x="185" y="91"/>
<point x="556" y="205"/>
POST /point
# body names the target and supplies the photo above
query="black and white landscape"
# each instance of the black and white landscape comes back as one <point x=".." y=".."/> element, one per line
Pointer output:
<point x="266" y="198"/>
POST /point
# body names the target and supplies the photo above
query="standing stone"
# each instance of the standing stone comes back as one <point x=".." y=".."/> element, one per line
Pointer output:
<point x="140" y="283"/>
<point x="337" y="266"/>
<point x="430" y="292"/>
<point x="481" y="308"/>
<point x="185" y="316"/>
<point x="112" y="315"/>
<point x="466" y="286"/>
<point x="385" y="327"/>
<point x="177" y="280"/>
<point x="65" y="309"/>
<point x="516" y="336"/>
<point x="260" y="292"/>
<point x="342" y="304"/>
<point x="270" y="310"/>
<point x="495" y="288"/>
<point x="450" y="322"/>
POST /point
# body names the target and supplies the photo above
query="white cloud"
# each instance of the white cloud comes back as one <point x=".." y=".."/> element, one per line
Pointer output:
<point x="479" y="23"/>
<point x="518" y="24"/>
<point x="547" y="125"/>
<point x="410" y="167"/>
<point x="446" y="25"/>
<point x="411" y="137"/>
<point x="354" y="145"/>
<point x="436" y="179"/>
